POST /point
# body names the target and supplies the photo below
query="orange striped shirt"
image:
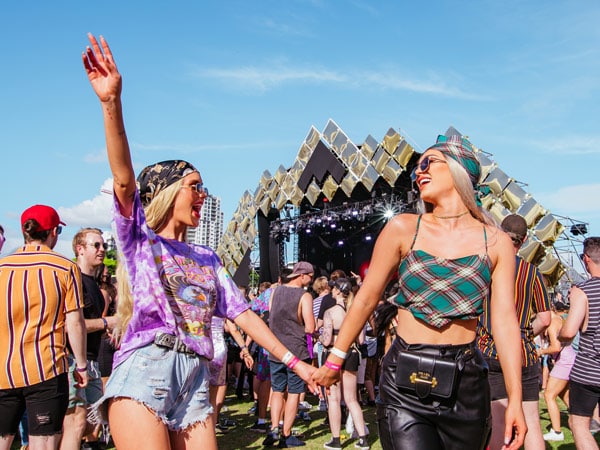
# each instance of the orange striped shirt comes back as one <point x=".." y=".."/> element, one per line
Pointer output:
<point x="37" y="288"/>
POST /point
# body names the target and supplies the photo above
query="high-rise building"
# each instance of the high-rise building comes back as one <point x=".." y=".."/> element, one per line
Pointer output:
<point x="210" y="229"/>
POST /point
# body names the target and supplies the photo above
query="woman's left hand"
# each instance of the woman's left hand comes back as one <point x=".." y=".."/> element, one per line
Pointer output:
<point x="326" y="377"/>
<point x="515" y="428"/>
<point x="305" y="371"/>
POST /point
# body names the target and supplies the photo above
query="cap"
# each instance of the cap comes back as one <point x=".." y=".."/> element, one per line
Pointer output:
<point x="343" y="284"/>
<point x="515" y="226"/>
<point x="46" y="216"/>
<point x="301" y="267"/>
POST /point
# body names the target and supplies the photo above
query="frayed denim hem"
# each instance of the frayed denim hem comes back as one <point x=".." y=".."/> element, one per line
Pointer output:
<point x="98" y="414"/>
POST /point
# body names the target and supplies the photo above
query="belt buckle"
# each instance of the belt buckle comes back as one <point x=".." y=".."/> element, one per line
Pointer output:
<point x="164" y="340"/>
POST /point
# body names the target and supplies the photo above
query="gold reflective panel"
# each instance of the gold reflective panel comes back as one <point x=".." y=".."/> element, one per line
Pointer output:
<point x="312" y="192"/>
<point x="497" y="181"/>
<point x="391" y="172"/>
<point x="237" y="257"/>
<point x="403" y="153"/>
<point x="513" y="195"/>
<point x="531" y="211"/>
<point x="312" y="138"/>
<point x="287" y="185"/>
<point x="498" y="212"/>
<point x="266" y="179"/>
<point x="348" y="184"/>
<point x="259" y="194"/>
<point x="487" y="165"/>
<point x="330" y="187"/>
<point x="369" y="177"/>
<point x="280" y="175"/>
<point x="244" y="224"/>
<point x="548" y="229"/>
<point x="380" y="159"/>
<point x="360" y="166"/>
<point x="351" y="159"/>
<point x="297" y="167"/>
<point x="349" y="152"/>
<point x="265" y="205"/>
<point x="487" y="201"/>
<point x="391" y="140"/>
<point x="532" y="251"/>
<point x="341" y="144"/>
<point x="304" y="153"/>
<point x="280" y="200"/>
<point x="369" y="147"/>
<point x="552" y="269"/>
<point x="296" y="196"/>
<point x="331" y="131"/>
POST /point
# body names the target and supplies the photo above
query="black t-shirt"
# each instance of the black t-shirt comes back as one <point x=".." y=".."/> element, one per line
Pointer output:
<point x="93" y="305"/>
<point x="327" y="302"/>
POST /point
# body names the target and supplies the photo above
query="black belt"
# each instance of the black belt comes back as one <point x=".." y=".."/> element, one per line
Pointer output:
<point x="173" y="343"/>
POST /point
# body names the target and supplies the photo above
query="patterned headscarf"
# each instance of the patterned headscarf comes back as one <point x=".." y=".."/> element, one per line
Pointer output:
<point x="155" y="178"/>
<point x="461" y="151"/>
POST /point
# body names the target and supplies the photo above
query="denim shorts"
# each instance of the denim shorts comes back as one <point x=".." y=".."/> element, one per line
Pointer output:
<point x="89" y="394"/>
<point x="173" y="385"/>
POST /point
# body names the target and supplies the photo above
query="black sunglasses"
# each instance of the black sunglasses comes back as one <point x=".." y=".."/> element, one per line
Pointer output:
<point x="58" y="229"/>
<point x="423" y="166"/>
<point x="97" y="245"/>
<point x="581" y="256"/>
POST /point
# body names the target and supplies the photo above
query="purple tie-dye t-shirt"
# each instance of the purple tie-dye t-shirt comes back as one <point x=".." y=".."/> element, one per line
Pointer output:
<point x="176" y="287"/>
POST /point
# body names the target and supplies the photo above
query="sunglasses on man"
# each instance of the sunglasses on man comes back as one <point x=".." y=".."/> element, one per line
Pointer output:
<point x="97" y="245"/>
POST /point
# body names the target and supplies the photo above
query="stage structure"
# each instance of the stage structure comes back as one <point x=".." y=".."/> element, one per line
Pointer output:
<point x="332" y="202"/>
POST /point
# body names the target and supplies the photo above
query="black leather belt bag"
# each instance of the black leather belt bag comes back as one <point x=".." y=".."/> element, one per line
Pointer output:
<point x="428" y="375"/>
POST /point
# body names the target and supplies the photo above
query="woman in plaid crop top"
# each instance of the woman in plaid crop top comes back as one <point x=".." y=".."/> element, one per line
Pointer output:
<point x="449" y="257"/>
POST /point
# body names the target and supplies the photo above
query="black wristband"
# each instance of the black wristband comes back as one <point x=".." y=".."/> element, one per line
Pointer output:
<point x="105" y="323"/>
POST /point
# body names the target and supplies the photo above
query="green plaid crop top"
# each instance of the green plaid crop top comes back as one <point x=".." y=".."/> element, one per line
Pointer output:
<point x="438" y="290"/>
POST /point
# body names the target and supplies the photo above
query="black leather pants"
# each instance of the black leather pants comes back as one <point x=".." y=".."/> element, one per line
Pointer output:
<point x="462" y="422"/>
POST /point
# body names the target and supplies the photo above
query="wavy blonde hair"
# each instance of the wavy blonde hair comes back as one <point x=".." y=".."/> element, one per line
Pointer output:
<point x="158" y="212"/>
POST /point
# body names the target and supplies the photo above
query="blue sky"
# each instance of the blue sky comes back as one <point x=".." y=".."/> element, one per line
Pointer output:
<point x="234" y="87"/>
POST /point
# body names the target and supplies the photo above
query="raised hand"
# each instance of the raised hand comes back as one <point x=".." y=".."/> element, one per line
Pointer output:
<point x="101" y="69"/>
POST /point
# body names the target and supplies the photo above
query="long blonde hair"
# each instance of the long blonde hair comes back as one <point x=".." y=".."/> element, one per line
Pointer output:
<point x="158" y="212"/>
<point x="464" y="187"/>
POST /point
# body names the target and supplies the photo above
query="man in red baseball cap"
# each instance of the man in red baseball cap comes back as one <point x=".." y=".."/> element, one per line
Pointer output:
<point x="45" y="216"/>
<point x="40" y="297"/>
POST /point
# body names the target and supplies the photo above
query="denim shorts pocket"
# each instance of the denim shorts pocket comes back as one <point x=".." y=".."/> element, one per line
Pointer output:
<point x="154" y="353"/>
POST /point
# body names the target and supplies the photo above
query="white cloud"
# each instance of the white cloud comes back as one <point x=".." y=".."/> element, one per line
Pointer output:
<point x="261" y="79"/>
<point x="577" y="199"/>
<point x="95" y="212"/>
<point x="98" y="157"/>
<point x="575" y="145"/>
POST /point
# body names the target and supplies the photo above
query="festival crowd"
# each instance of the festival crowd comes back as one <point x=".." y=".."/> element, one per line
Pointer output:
<point x="451" y="335"/>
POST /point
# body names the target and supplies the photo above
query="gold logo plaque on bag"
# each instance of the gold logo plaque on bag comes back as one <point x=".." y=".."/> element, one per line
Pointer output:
<point x="423" y="377"/>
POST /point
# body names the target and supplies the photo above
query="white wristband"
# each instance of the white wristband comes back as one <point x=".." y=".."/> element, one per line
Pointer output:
<point x="287" y="358"/>
<point x="337" y="352"/>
